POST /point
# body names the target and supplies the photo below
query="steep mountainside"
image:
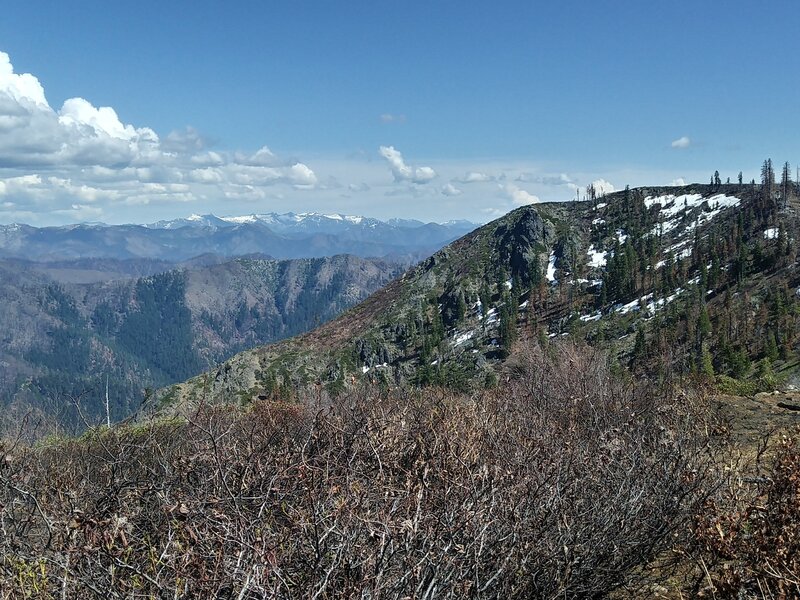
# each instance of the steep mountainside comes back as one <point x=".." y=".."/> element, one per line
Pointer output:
<point x="699" y="280"/>
<point x="61" y="340"/>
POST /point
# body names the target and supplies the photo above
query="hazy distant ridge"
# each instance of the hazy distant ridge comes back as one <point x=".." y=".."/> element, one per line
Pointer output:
<point x="305" y="235"/>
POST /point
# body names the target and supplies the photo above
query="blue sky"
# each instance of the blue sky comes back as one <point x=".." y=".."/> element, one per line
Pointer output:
<point x="428" y="110"/>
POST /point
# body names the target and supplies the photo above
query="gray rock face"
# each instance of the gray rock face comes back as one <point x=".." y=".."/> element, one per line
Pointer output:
<point x="371" y="353"/>
<point x="518" y="243"/>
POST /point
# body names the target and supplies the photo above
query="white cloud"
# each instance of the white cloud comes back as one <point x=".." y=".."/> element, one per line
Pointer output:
<point x="681" y="142"/>
<point x="187" y="141"/>
<point x="24" y="88"/>
<point x="403" y="172"/>
<point x="476" y="177"/>
<point x="78" y="113"/>
<point x="549" y="180"/>
<point x="81" y="154"/>
<point x="518" y="195"/>
<point x="212" y="159"/>
<point x="679" y="182"/>
<point x="300" y="174"/>
<point x="263" y="157"/>
<point x="451" y="190"/>
<point x="559" y="179"/>
<point x="75" y="154"/>
<point x="206" y="175"/>
<point x="493" y="213"/>
<point x="603" y="187"/>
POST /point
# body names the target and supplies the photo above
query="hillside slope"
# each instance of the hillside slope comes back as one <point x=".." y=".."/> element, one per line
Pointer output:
<point x="676" y="281"/>
<point x="61" y="340"/>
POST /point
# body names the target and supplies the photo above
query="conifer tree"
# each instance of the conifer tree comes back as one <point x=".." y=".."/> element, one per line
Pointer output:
<point x="772" y="352"/>
<point x="461" y="307"/>
<point x="786" y="182"/>
<point x="485" y="297"/>
<point x="704" y="322"/>
<point x="706" y="362"/>
<point x="767" y="181"/>
<point x="535" y="272"/>
<point x="640" y="345"/>
<point x="507" y="330"/>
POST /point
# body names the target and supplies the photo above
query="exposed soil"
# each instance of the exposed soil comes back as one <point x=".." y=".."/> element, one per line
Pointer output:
<point x="751" y="418"/>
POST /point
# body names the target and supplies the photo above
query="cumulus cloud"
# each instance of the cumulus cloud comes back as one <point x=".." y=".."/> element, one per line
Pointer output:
<point x="681" y="142"/>
<point x="80" y="114"/>
<point x="403" y="172"/>
<point x="679" y="182"/>
<point x="78" y="134"/>
<point x="603" y="187"/>
<point x="518" y="195"/>
<point x="82" y="155"/>
<point x="390" y="118"/>
<point x="24" y="88"/>
<point x="450" y="190"/>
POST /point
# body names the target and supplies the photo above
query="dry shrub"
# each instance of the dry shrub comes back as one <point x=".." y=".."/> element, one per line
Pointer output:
<point x="560" y="483"/>
<point x="749" y="534"/>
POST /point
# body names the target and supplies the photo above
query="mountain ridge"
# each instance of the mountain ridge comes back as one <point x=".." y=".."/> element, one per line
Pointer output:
<point x="623" y="271"/>
<point x="305" y="235"/>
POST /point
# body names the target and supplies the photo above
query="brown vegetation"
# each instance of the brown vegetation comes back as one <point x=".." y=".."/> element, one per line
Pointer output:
<point x="563" y="482"/>
<point x="748" y="535"/>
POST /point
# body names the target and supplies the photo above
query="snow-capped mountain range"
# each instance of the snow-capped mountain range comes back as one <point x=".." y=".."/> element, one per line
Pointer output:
<point x="290" y="235"/>
<point x="303" y="222"/>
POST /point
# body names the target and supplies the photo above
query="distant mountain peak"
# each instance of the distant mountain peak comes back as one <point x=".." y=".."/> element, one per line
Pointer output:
<point x="289" y="235"/>
<point x="273" y="218"/>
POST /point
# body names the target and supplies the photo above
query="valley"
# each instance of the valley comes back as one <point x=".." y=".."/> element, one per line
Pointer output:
<point x="141" y="307"/>
<point x="70" y="327"/>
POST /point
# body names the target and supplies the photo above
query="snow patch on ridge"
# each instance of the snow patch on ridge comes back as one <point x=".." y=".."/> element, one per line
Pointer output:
<point x="597" y="258"/>
<point x="551" y="268"/>
<point x="673" y="209"/>
<point x="462" y="337"/>
<point x="241" y="220"/>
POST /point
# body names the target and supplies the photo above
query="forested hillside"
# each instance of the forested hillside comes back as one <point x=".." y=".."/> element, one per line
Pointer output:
<point x="697" y="281"/>
<point x="64" y="342"/>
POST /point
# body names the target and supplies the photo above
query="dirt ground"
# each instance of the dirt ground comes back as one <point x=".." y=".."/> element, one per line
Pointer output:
<point x="751" y="418"/>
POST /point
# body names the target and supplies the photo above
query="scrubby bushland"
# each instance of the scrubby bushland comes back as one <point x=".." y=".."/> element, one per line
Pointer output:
<point x="749" y="534"/>
<point x="562" y="482"/>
